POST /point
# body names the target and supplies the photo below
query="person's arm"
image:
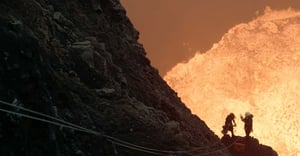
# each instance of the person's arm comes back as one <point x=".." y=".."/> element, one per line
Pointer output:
<point x="242" y="118"/>
<point x="234" y="124"/>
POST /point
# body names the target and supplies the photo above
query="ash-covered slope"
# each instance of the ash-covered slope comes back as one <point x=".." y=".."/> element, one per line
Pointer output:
<point x="80" y="61"/>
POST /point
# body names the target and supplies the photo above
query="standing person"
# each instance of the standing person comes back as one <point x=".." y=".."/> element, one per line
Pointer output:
<point x="248" y="123"/>
<point x="229" y="124"/>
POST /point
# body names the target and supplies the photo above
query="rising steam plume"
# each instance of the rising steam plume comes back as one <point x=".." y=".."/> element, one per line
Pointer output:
<point x="254" y="67"/>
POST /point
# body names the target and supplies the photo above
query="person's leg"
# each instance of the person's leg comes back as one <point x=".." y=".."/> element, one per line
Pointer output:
<point x="247" y="132"/>
<point x="231" y="130"/>
<point x="226" y="129"/>
<point x="232" y="134"/>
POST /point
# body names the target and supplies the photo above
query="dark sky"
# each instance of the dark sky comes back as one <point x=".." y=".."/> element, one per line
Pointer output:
<point x="172" y="30"/>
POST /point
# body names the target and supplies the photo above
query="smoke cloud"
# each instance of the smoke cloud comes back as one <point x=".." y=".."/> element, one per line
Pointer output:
<point x="255" y="67"/>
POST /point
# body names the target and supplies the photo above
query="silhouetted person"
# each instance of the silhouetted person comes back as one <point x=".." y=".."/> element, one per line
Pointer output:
<point x="248" y="123"/>
<point x="229" y="124"/>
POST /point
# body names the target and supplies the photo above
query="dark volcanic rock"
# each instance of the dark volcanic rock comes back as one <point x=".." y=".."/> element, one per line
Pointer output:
<point x="80" y="61"/>
<point x="246" y="146"/>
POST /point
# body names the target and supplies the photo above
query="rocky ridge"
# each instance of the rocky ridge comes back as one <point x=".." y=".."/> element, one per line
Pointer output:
<point x="80" y="61"/>
<point x="246" y="146"/>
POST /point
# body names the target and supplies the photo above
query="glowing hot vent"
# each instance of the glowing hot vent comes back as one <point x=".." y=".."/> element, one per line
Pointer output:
<point x="255" y="67"/>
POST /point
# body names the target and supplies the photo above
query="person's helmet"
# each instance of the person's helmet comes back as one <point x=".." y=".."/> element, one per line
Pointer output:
<point x="248" y="114"/>
<point x="232" y="115"/>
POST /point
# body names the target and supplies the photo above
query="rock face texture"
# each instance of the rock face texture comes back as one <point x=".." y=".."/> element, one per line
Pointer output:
<point x="247" y="146"/>
<point x="79" y="61"/>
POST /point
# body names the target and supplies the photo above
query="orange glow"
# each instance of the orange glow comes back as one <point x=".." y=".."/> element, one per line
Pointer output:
<point x="255" y="67"/>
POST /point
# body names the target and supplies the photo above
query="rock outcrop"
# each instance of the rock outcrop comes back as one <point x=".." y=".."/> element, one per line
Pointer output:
<point x="80" y="61"/>
<point x="246" y="146"/>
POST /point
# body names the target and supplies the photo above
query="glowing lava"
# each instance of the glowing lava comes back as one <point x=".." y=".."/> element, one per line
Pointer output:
<point x="255" y="67"/>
